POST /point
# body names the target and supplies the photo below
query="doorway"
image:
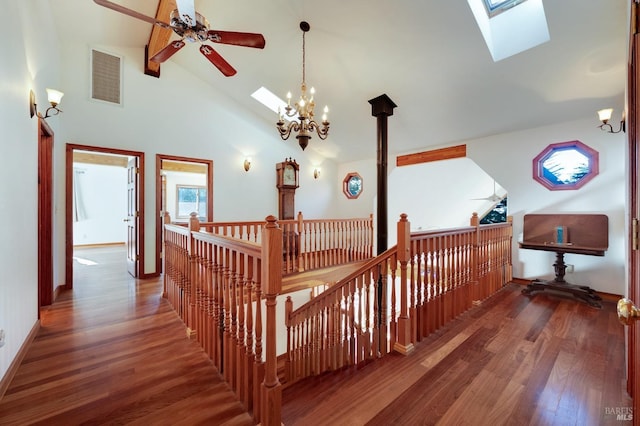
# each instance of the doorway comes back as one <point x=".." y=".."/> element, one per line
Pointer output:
<point x="133" y="163"/>
<point x="178" y="178"/>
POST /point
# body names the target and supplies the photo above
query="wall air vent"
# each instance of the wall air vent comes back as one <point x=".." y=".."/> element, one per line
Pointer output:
<point x="106" y="77"/>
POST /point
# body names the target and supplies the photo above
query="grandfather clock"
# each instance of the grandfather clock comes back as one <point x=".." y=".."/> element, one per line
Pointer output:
<point x="287" y="181"/>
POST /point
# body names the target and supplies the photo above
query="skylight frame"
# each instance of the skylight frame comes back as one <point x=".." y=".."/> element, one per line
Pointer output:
<point x="495" y="7"/>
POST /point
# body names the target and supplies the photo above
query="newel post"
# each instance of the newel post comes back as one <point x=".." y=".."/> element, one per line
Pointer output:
<point x="404" y="344"/>
<point x="271" y="398"/>
<point x="194" y="226"/>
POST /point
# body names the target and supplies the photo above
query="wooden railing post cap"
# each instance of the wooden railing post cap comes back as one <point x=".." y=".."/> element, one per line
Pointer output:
<point x="403" y="217"/>
<point x="272" y="221"/>
<point x="194" y="222"/>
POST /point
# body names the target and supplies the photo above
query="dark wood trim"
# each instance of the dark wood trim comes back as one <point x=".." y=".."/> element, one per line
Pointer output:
<point x="381" y="108"/>
<point x="633" y="105"/>
<point x="45" y="214"/>
<point x="70" y="148"/>
<point x="458" y="151"/>
<point x="15" y="364"/>
<point x="159" y="220"/>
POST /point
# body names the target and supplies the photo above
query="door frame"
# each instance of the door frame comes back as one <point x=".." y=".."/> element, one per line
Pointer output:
<point x="70" y="148"/>
<point x="45" y="214"/>
<point x="633" y="290"/>
<point x="159" y="216"/>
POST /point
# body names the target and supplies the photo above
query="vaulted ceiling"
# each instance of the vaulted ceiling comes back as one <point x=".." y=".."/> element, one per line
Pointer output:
<point x="429" y="57"/>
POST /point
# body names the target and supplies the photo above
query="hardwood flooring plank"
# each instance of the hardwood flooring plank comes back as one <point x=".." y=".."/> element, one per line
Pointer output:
<point x="113" y="351"/>
<point x="512" y="360"/>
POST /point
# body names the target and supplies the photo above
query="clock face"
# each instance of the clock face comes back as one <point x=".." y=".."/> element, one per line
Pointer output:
<point x="289" y="175"/>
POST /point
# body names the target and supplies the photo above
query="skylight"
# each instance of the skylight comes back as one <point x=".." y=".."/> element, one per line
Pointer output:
<point x="271" y="101"/>
<point x="496" y="6"/>
<point x="513" y="27"/>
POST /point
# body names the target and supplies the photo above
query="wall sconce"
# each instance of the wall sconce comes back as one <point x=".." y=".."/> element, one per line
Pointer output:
<point x="605" y="115"/>
<point x="247" y="164"/>
<point x="54" y="97"/>
<point x="316" y="173"/>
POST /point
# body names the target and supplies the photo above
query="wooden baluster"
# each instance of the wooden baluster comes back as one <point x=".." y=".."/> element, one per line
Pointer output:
<point x="218" y="306"/>
<point x="226" y="342"/>
<point x="258" y="369"/>
<point x="288" y="308"/>
<point x="209" y="302"/>
<point x="300" y="238"/>
<point x="249" y="354"/>
<point x="240" y="350"/>
<point x="352" y="323"/>
<point x="194" y="226"/>
<point x="233" y="296"/>
<point x="393" y="331"/>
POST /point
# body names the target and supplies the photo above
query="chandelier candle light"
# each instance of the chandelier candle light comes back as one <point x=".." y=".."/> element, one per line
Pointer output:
<point x="305" y="124"/>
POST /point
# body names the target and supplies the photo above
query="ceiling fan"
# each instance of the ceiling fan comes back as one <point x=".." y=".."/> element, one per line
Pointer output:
<point x="192" y="27"/>
<point x="493" y="197"/>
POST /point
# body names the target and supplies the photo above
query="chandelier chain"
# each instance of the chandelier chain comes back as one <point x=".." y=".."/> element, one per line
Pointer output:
<point x="303" y="59"/>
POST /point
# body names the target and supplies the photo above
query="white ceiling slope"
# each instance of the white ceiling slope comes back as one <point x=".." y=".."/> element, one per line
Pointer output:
<point x="429" y="57"/>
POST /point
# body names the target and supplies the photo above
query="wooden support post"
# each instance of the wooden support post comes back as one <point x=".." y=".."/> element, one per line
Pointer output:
<point x="404" y="344"/>
<point x="381" y="108"/>
<point x="271" y="404"/>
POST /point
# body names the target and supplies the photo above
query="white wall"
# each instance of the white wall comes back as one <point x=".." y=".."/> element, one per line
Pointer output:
<point x="29" y="61"/>
<point x="604" y="194"/>
<point x="508" y="158"/>
<point x="104" y="196"/>
<point x="147" y="122"/>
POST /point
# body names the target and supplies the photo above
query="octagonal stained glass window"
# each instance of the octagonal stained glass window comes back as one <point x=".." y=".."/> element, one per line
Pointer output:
<point x="352" y="185"/>
<point x="565" y="165"/>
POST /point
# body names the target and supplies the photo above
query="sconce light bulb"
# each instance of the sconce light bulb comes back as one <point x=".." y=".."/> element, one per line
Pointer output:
<point x="605" y="115"/>
<point x="54" y="96"/>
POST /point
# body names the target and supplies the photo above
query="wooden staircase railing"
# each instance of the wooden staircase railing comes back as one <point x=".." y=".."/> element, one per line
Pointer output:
<point x="220" y="277"/>
<point x="221" y="284"/>
<point x="398" y="298"/>
<point x="309" y="243"/>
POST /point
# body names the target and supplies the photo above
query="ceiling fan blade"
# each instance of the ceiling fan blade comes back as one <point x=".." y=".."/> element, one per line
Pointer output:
<point x="236" y="38"/>
<point x="118" y="8"/>
<point x="187" y="11"/>
<point x="217" y="60"/>
<point x="167" y="51"/>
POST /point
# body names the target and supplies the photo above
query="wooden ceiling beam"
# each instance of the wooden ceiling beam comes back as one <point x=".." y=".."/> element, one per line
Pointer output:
<point x="159" y="37"/>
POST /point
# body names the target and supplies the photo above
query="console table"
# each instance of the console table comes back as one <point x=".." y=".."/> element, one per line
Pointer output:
<point x="586" y="234"/>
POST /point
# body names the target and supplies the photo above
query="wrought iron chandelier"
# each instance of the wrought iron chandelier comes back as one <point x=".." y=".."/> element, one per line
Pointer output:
<point x="305" y="123"/>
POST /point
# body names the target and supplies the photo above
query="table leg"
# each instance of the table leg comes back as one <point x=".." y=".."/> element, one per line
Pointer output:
<point x="558" y="284"/>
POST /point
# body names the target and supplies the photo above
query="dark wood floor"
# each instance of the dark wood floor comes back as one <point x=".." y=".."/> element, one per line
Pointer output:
<point x="113" y="352"/>
<point x="511" y="361"/>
